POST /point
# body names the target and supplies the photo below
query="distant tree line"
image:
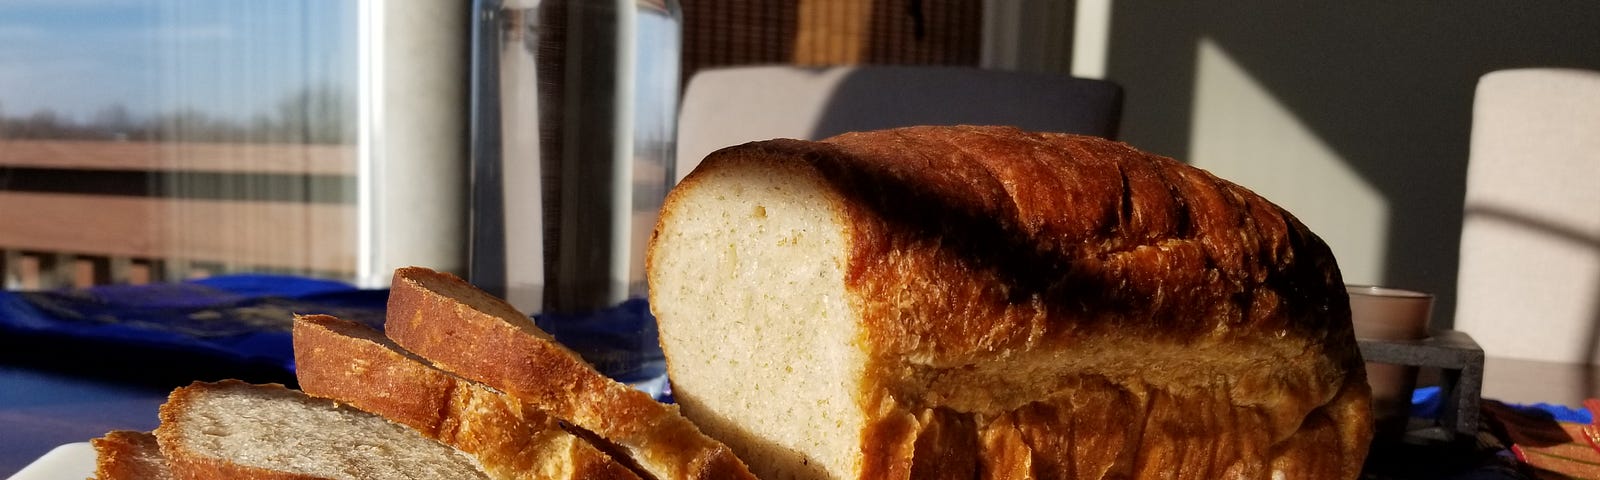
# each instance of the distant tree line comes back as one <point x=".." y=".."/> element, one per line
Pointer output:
<point x="318" y="115"/>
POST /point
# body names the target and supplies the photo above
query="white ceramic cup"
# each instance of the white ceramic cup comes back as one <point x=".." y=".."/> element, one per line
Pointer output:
<point x="1391" y="314"/>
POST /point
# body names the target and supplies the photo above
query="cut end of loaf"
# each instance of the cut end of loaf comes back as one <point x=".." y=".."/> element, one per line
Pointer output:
<point x="776" y="233"/>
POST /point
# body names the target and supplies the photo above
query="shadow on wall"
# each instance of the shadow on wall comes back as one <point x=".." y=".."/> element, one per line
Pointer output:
<point x="1565" y="234"/>
<point x="1387" y="85"/>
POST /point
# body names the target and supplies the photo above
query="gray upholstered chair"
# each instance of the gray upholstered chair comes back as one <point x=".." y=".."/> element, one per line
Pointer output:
<point x="729" y="106"/>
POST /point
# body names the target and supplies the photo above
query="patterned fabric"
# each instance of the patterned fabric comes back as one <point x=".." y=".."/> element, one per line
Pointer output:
<point x="242" y="318"/>
<point x="1549" y="447"/>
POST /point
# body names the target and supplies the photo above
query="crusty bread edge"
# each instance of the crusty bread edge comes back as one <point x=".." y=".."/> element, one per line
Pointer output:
<point x="325" y="366"/>
<point x="1344" y="401"/>
<point x="513" y="356"/>
<point x="341" y="367"/>
<point x="118" y="455"/>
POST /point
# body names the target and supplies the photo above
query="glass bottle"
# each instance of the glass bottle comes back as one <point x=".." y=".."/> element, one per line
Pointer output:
<point x="573" y="129"/>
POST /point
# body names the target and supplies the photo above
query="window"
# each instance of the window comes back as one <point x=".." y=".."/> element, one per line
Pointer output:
<point x="160" y="140"/>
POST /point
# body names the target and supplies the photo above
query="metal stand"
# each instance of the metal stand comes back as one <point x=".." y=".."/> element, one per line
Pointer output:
<point x="1460" y="362"/>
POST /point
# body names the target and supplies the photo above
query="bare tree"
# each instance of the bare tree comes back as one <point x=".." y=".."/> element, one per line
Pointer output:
<point x="321" y="114"/>
<point x="316" y="114"/>
<point x="114" y="121"/>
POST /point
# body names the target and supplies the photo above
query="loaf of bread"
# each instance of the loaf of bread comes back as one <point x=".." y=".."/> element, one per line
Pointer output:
<point x="129" y="455"/>
<point x="352" y="364"/>
<point x="231" y="429"/>
<point x="983" y="302"/>
<point x="465" y="331"/>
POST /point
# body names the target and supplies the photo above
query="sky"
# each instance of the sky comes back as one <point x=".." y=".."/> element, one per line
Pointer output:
<point x="230" y="58"/>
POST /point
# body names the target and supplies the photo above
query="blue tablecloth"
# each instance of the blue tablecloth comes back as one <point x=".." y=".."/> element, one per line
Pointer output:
<point x="247" y="319"/>
<point x="233" y="318"/>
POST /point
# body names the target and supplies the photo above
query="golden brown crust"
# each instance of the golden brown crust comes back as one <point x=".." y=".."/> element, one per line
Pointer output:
<point x="1074" y="229"/>
<point x="1092" y="430"/>
<point x="210" y="468"/>
<point x="946" y="446"/>
<point x="486" y="340"/>
<point x="129" y="455"/>
<point x="331" y="361"/>
<point x="997" y="271"/>
<point x="351" y="363"/>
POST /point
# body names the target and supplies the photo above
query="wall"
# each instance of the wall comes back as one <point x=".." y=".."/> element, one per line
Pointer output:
<point x="1353" y="115"/>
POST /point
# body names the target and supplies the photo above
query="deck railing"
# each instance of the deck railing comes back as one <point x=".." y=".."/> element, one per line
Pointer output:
<point x="77" y="213"/>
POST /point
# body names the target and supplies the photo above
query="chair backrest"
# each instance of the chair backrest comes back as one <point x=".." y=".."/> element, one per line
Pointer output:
<point x="730" y="106"/>
<point x="1529" y="282"/>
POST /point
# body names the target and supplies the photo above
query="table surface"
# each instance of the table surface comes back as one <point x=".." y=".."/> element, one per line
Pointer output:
<point x="1529" y="381"/>
<point x="42" y="408"/>
<point x="55" y="392"/>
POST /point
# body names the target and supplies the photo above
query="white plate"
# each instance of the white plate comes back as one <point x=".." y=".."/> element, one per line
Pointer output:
<point x="73" y="461"/>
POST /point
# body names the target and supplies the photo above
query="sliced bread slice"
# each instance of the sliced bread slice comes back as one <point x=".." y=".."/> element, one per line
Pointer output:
<point x="232" y="429"/>
<point x="129" y="455"/>
<point x="473" y="334"/>
<point x="353" y="364"/>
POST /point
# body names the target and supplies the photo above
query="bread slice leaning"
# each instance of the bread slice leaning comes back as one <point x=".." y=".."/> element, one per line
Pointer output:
<point x="129" y="455"/>
<point x="235" y="430"/>
<point x="473" y="334"/>
<point x="353" y="364"/>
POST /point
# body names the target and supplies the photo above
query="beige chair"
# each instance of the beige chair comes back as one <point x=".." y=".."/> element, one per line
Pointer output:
<point x="1529" y="284"/>
<point x="729" y="106"/>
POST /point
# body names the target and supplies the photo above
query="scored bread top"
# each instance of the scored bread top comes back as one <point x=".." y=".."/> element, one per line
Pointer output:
<point x="972" y="242"/>
<point x="1085" y="228"/>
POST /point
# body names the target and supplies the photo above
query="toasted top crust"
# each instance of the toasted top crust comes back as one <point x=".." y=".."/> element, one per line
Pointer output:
<point x="994" y="268"/>
<point x="351" y="363"/>
<point x="471" y="333"/>
<point x="1003" y="242"/>
<point x="1093" y="234"/>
